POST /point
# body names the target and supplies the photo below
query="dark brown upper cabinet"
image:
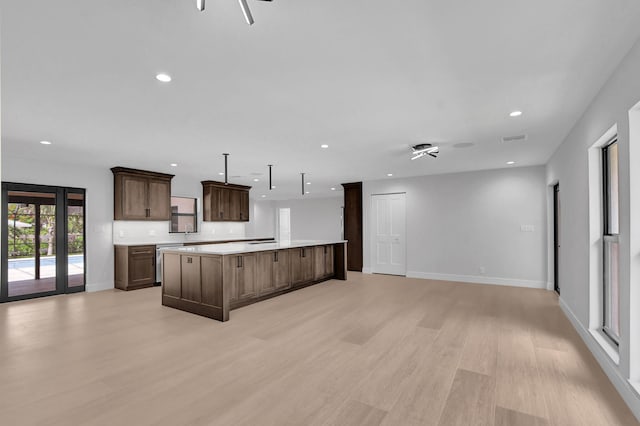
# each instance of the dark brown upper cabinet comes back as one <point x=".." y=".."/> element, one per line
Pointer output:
<point x="225" y="202"/>
<point x="141" y="195"/>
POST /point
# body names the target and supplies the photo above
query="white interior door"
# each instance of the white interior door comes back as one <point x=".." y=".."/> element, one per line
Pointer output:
<point x="284" y="225"/>
<point x="389" y="234"/>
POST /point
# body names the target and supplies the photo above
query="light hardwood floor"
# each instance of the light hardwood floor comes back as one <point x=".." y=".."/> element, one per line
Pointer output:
<point x="367" y="351"/>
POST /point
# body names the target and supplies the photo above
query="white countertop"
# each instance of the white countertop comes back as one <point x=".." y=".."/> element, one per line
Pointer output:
<point x="184" y="241"/>
<point x="236" y="248"/>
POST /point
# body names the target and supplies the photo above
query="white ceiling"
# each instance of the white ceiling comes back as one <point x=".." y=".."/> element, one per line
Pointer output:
<point x="367" y="77"/>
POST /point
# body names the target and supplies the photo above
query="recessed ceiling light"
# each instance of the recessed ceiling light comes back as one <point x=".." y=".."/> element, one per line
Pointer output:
<point x="174" y="164"/>
<point x="165" y="78"/>
<point x="389" y="174"/>
<point x="463" y="145"/>
<point x="308" y="183"/>
<point x="221" y="173"/>
<point x="515" y="114"/>
<point x="333" y="189"/>
<point x="273" y="187"/>
<point x="263" y="196"/>
<point x="306" y="192"/>
<point x="511" y="163"/>
<point x="256" y="180"/>
<point x="324" y="145"/>
<point x="45" y="142"/>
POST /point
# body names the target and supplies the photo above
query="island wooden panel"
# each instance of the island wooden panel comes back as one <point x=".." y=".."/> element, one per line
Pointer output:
<point x="211" y="285"/>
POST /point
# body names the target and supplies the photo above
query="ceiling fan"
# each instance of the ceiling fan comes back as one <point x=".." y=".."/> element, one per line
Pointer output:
<point x="243" y="5"/>
<point x="422" y="149"/>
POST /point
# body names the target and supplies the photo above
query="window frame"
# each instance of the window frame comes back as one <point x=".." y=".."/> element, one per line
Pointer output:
<point x="176" y="215"/>
<point x="608" y="238"/>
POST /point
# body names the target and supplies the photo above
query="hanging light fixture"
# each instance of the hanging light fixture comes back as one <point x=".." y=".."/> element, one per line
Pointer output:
<point x="226" y="175"/>
<point x="243" y="5"/>
<point x="302" y="183"/>
<point x="270" y="185"/>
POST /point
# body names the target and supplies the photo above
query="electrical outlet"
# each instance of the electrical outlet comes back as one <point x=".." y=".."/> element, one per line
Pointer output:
<point x="526" y="228"/>
<point x="121" y="233"/>
<point x="152" y="232"/>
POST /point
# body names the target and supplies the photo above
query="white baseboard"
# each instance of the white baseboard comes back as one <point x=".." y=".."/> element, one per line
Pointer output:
<point x="622" y="385"/>
<point x="513" y="282"/>
<point x="99" y="287"/>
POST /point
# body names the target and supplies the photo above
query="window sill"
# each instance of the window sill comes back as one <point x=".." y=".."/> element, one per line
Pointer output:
<point x="609" y="348"/>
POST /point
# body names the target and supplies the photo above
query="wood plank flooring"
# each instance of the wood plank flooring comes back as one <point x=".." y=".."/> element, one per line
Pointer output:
<point x="372" y="350"/>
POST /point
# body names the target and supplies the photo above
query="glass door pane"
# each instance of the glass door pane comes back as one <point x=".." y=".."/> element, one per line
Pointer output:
<point x="75" y="240"/>
<point x="31" y="243"/>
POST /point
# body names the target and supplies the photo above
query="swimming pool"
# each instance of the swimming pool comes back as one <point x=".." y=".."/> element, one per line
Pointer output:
<point x="30" y="262"/>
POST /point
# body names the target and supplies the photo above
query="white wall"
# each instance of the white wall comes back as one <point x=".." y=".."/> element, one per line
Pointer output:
<point x="460" y="223"/>
<point x="313" y="218"/>
<point x="570" y="167"/>
<point x="99" y="207"/>
<point x="263" y="222"/>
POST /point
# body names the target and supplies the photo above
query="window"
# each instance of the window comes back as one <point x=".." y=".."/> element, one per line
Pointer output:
<point x="611" y="246"/>
<point x="183" y="215"/>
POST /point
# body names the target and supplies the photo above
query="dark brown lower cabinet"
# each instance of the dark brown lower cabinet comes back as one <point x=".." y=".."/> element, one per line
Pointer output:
<point x="272" y="271"/>
<point x="301" y="260"/>
<point x="323" y="261"/>
<point x="135" y="267"/>
<point x="240" y="273"/>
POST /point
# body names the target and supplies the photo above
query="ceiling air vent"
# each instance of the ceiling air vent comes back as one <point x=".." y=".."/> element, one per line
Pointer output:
<point x="516" y="138"/>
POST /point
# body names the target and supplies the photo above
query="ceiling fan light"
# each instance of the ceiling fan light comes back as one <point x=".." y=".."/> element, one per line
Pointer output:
<point x="200" y="5"/>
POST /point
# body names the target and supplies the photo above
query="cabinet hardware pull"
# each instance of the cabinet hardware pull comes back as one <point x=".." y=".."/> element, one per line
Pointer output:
<point x="140" y="252"/>
<point x="189" y="260"/>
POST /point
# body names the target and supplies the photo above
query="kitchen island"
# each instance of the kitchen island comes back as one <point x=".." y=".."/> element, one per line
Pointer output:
<point x="211" y="280"/>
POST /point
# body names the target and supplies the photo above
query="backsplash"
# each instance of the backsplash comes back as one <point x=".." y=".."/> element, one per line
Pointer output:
<point x="150" y="232"/>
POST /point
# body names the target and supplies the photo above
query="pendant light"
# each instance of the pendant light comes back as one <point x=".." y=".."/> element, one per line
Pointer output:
<point x="302" y="183"/>
<point x="270" y="185"/>
<point x="226" y="177"/>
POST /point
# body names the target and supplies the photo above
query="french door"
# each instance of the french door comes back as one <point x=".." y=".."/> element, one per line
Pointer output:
<point x="43" y="241"/>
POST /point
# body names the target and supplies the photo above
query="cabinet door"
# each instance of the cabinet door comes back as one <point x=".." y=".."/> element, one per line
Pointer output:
<point x="134" y="197"/>
<point x="225" y="204"/>
<point x="301" y="265"/>
<point x="190" y="274"/>
<point x="234" y="205"/>
<point x="307" y="264"/>
<point x="230" y="276"/>
<point x="281" y="272"/>
<point x="295" y="262"/>
<point x="318" y="262"/>
<point x="328" y="261"/>
<point x="244" y="205"/>
<point x="264" y="272"/>
<point x="212" y="207"/>
<point x="142" y="266"/>
<point x="159" y="200"/>
<point x="247" y="277"/>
